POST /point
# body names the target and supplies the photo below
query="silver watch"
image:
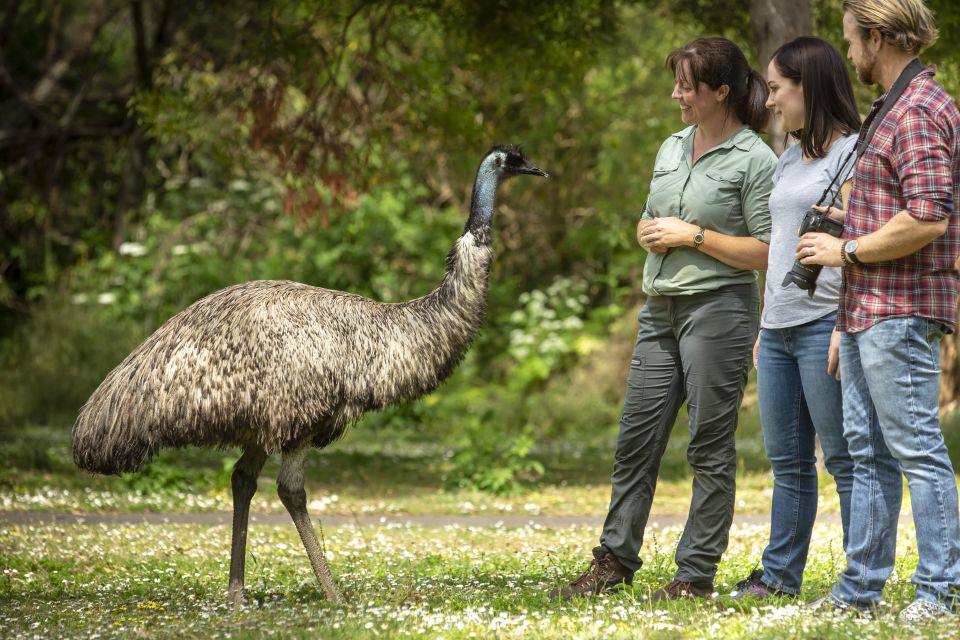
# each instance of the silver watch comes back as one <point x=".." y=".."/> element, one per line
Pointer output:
<point x="850" y="248"/>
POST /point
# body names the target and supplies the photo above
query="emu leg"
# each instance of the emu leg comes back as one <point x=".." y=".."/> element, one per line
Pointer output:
<point x="244" y="482"/>
<point x="294" y="498"/>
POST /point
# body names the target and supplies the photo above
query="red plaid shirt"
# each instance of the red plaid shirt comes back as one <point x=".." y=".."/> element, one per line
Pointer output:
<point x="912" y="163"/>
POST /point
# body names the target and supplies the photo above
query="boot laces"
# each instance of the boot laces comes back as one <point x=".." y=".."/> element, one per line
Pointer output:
<point x="593" y="571"/>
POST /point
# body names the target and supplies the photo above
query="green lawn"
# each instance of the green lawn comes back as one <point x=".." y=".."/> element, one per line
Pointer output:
<point x="400" y="580"/>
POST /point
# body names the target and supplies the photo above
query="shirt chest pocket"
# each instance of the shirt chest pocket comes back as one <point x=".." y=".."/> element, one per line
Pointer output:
<point x="666" y="185"/>
<point x="665" y="173"/>
<point x="721" y="190"/>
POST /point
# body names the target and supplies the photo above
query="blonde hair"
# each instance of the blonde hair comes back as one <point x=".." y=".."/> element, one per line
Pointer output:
<point x="906" y="24"/>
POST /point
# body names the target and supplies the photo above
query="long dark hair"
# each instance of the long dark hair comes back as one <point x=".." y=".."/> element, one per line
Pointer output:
<point x="828" y="102"/>
<point x="716" y="62"/>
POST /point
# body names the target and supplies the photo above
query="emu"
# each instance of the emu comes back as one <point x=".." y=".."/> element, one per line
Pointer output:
<point x="278" y="366"/>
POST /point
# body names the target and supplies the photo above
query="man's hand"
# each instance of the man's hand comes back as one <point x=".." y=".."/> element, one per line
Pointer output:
<point x="661" y="234"/>
<point x="819" y="248"/>
<point x="833" y="355"/>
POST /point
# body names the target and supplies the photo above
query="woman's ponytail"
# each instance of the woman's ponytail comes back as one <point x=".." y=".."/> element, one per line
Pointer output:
<point x="751" y="108"/>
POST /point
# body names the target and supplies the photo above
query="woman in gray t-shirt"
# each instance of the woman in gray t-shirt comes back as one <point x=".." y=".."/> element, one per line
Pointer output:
<point x="799" y="396"/>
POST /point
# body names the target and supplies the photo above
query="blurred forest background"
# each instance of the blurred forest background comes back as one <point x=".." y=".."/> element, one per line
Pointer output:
<point x="153" y="151"/>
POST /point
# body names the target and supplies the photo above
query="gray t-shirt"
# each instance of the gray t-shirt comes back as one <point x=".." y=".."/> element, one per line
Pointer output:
<point x="798" y="183"/>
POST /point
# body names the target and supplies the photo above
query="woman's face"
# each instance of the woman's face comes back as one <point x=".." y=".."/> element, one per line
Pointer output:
<point x="697" y="104"/>
<point x="785" y="99"/>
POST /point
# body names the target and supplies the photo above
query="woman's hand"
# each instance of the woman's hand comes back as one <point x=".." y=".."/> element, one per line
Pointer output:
<point x="643" y="224"/>
<point x="756" y="352"/>
<point x="661" y="234"/>
<point x="833" y="355"/>
<point x="835" y="213"/>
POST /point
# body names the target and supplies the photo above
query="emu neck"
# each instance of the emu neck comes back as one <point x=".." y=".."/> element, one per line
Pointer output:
<point x="481" y="205"/>
<point x="423" y="340"/>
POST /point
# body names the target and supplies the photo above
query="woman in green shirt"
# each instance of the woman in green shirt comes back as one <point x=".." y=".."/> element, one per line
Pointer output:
<point x="705" y="227"/>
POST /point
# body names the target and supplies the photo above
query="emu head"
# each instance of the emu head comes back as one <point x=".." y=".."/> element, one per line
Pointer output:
<point x="501" y="162"/>
<point x="507" y="160"/>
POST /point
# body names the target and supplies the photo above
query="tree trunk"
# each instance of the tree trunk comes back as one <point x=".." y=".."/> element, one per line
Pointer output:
<point x="950" y="369"/>
<point x="775" y="22"/>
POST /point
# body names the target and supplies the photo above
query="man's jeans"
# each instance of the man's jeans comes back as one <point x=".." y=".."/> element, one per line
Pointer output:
<point x="891" y="383"/>
<point x="799" y="400"/>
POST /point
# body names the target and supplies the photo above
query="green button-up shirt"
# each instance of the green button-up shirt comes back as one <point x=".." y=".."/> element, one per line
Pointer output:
<point x="726" y="191"/>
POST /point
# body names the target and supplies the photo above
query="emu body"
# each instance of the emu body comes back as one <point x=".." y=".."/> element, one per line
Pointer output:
<point x="277" y="366"/>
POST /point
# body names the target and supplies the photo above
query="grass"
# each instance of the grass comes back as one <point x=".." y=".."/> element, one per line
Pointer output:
<point x="167" y="580"/>
<point x="452" y="582"/>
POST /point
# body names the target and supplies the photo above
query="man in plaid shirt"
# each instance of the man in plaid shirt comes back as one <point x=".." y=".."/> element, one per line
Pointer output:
<point x="899" y="296"/>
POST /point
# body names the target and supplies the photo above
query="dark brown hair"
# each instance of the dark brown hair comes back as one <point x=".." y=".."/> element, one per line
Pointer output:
<point x="828" y="101"/>
<point x="716" y="62"/>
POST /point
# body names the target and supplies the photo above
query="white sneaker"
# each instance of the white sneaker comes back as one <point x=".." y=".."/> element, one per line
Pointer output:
<point x="923" y="611"/>
<point x="830" y="607"/>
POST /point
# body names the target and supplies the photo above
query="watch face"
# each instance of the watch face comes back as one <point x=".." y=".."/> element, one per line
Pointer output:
<point x="851" y="246"/>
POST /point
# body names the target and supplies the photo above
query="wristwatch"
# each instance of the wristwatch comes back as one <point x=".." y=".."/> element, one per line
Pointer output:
<point x="698" y="239"/>
<point x="850" y="251"/>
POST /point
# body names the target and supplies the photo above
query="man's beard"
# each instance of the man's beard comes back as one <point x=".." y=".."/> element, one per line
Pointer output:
<point x="865" y="72"/>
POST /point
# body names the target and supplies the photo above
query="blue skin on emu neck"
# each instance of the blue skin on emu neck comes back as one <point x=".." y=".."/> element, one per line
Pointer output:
<point x="481" y="208"/>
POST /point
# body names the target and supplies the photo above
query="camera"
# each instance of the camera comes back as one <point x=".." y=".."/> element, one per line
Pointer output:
<point x="805" y="275"/>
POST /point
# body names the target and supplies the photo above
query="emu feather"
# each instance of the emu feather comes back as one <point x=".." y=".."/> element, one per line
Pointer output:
<point x="277" y="366"/>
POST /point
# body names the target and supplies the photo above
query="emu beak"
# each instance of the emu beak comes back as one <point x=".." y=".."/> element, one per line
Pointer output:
<point x="529" y="167"/>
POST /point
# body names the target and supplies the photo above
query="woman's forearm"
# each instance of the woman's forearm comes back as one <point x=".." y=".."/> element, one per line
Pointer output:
<point x="741" y="252"/>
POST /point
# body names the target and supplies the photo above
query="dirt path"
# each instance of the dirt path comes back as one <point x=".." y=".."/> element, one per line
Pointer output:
<point x="222" y="518"/>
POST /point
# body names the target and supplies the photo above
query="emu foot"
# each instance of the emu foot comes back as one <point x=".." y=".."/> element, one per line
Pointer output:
<point x="332" y="593"/>
<point x="235" y="596"/>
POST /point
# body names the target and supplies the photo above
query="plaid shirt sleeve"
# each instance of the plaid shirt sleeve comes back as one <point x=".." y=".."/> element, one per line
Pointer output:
<point x="922" y="161"/>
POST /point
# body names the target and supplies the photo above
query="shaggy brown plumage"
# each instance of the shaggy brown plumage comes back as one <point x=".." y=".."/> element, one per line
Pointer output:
<point x="272" y="363"/>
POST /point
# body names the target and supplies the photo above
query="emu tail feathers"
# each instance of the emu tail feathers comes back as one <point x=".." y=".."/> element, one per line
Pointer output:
<point x="105" y="441"/>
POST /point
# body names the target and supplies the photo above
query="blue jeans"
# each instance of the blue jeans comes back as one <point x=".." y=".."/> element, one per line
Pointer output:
<point x="799" y="400"/>
<point x="891" y="384"/>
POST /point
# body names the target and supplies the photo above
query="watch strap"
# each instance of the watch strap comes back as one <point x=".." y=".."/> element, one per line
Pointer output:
<point x="699" y="238"/>
<point x="851" y="255"/>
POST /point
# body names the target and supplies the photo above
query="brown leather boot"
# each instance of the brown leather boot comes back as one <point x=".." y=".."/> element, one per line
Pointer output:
<point x="678" y="590"/>
<point x="602" y="576"/>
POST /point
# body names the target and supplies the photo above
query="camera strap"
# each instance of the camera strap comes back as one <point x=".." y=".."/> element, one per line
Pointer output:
<point x="910" y="72"/>
<point x="840" y="172"/>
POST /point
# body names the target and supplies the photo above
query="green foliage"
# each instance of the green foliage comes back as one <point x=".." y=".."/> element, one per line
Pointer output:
<point x="50" y="366"/>
<point x="544" y="331"/>
<point x="161" y="475"/>
<point x="335" y="143"/>
<point x="490" y="460"/>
